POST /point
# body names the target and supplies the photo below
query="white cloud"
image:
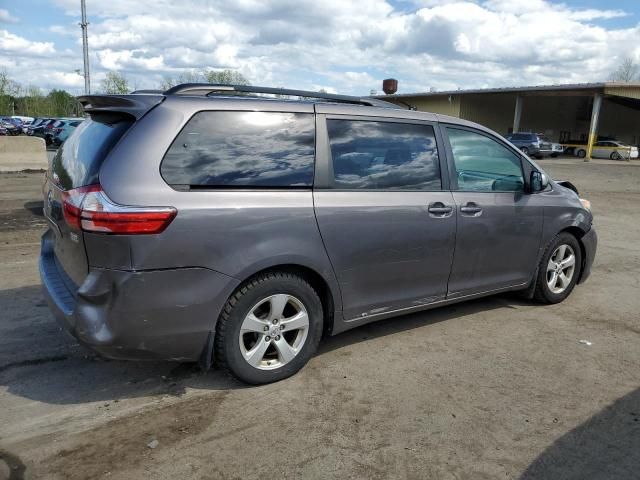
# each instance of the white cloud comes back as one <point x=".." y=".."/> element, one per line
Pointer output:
<point x="19" y="46"/>
<point x="6" y="17"/>
<point x="344" y="46"/>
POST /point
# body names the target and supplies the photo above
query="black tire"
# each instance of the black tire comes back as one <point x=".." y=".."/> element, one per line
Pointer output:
<point x="543" y="292"/>
<point x="582" y="153"/>
<point x="524" y="150"/>
<point x="615" y="156"/>
<point x="227" y="348"/>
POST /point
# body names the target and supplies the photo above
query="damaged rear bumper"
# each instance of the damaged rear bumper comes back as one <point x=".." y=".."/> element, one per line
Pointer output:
<point x="156" y="314"/>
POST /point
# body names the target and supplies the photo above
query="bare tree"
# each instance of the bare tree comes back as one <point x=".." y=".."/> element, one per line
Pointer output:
<point x="115" y="83"/>
<point x="626" y="72"/>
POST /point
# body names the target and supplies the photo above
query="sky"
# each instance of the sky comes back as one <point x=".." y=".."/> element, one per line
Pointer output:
<point x="339" y="45"/>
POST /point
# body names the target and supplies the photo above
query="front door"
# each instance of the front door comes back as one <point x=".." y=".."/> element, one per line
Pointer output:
<point x="499" y="225"/>
<point x="386" y="221"/>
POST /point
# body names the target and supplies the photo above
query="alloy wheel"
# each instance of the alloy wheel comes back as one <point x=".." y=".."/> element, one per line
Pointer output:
<point x="561" y="268"/>
<point x="274" y="331"/>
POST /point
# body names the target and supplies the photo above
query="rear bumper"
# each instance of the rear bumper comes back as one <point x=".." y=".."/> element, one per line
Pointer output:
<point x="590" y="244"/>
<point x="156" y="314"/>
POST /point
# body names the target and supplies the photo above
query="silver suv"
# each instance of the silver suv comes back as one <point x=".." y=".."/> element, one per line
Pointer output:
<point x="210" y="222"/>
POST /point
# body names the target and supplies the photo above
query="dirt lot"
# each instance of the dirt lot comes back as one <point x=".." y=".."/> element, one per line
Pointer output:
<point x="496" y="388"/>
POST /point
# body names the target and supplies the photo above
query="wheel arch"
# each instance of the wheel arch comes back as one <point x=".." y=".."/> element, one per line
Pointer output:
<point x="329" y="294"/>
<point x="578" y="233"/>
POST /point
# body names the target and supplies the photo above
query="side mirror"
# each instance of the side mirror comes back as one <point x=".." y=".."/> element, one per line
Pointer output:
<point x="538" y="181"/>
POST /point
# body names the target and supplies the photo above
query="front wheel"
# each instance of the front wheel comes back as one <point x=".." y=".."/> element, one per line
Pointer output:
<point x="524" y="150"/>
<point x="582" y="153"/>
<point x="559" y="269"/>
<point x="615" y="156"/>
<point x="269" y="328"/>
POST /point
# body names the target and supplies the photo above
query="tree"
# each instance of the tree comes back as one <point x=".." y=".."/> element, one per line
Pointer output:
<point x="225" y="77"/>
<point x="8" y="91"/>
<point x="626" y="72"/>
<point x="115" y="83"/>
<point x="62" y="103"/>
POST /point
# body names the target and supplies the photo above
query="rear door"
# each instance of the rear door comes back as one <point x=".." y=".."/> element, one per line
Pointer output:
<point x="385" y="214"/>
<point x="76" y="165"/>
<point x="499" y="225"/>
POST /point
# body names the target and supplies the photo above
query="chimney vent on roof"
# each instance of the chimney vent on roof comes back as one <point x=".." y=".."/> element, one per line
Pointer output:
<point x="390" y="85"/>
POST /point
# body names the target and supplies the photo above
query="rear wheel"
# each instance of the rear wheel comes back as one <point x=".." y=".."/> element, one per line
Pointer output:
<point x="582" y="153"/>
<point x="559" y="269"/>
<point x="269" y="328"/>
<point x="524" y="150"/>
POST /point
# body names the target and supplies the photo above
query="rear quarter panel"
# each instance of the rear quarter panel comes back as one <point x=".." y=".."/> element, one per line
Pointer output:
<point x="235" y="232"/>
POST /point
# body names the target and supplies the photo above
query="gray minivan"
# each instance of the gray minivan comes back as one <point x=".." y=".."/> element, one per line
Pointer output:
<point x="210" y="222"/>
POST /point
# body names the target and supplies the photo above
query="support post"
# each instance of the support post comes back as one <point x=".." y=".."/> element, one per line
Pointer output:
<point x="593" y="128"/>
<point x="517" y="114"/>
<point x="85" y="47"/>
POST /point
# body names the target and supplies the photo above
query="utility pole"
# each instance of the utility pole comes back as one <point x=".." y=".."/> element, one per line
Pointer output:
<point x="85" y="48"/>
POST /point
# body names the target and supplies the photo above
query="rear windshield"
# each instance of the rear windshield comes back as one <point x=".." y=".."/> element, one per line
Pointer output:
<point x="80" y="157"/>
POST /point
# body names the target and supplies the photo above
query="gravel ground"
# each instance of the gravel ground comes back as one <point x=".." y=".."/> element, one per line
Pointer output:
<point x="494" y="388"/>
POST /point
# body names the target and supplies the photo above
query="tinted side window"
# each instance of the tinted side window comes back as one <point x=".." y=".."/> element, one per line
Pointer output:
<point x="243" y="149"/>
<point x="383" y="155"/>
<point x="484" y="165"/>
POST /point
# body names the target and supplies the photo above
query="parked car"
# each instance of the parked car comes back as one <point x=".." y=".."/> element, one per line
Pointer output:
<point x="37" y="126"/>
<point x="611" y="149"/>
<point x="61" y="133"/>
<point x="25" y="122"/>
<point x="51" y="130"/>
<point x="43" y="130"/>
<point x="194" y="225"/>
<point x="535" y="144"/>
<point x="9" y="127"/>
<point x="34" y="125"/>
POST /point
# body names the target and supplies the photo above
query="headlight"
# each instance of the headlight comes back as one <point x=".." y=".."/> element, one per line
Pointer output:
<point x="586" y="204"/>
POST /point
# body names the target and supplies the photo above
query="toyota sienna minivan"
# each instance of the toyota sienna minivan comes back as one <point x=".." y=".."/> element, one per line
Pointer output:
<point x="215" y="224"/>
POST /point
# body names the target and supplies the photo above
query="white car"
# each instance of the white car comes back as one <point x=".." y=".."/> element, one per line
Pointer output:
<point x="614" y="150"/>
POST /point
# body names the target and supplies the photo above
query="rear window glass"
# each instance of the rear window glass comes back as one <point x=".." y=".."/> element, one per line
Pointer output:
<point x="80" y="157"/>
<point x="243" y="150"/>
<point x="383" y="155"/>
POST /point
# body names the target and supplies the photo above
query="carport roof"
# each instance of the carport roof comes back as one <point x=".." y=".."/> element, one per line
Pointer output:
<point x="622" y="89"/>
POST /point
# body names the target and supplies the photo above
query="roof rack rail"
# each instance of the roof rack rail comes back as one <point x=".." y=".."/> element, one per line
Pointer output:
<point x="147" y="91"/>
<point x="206" y="89"/>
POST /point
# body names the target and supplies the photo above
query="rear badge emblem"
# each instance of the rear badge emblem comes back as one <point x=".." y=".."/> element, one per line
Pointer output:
<point x="73" y="237"/>
<point x="50" y="200"/>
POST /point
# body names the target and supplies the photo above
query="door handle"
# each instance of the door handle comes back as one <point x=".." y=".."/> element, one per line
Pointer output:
<point x="439" y="209"/>
<point x="471" y="209"/>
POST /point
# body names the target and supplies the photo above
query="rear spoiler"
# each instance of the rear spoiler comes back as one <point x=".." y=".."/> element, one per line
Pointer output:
<point x="134" y="105"/>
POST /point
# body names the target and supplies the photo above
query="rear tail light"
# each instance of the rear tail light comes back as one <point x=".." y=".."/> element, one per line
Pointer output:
<point x="89" y="209"/>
